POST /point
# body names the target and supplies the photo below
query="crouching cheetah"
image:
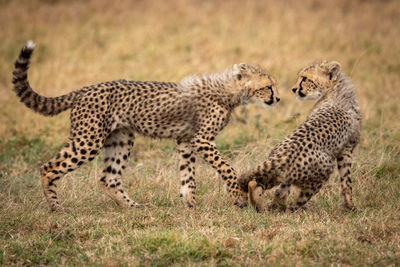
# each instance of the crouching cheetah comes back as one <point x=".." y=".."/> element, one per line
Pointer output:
<point x="306" y="158"/>
<point x="108" y="115"/>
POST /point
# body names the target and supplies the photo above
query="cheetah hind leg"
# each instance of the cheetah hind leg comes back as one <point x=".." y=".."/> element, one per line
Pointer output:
<point x="255" y="196"/>
<point x="344" y="167"/>
<point x="117" y="149"/>
<point x="71" y="156"/>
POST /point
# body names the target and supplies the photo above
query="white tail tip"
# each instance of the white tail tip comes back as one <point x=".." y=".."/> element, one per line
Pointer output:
<point x="30" y="44"/>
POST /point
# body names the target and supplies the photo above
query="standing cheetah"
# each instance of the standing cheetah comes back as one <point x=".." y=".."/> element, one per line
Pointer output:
<point x="306" y="158"/>
<point x="107" y="116"/>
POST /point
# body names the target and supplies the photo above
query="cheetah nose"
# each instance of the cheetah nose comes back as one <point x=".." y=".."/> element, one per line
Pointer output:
<point x="277" y="99"/>
<point x="294" y="90"/>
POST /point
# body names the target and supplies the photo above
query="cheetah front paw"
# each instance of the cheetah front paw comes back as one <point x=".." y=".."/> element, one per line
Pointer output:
<point x="55" y="207"/>
<point x="348" y="207"/>
<point x="240" y="201"/>
<point x="238" y="196"/>
<point x="188" y="199"/>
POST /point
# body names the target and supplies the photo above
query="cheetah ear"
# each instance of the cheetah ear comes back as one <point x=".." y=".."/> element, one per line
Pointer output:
<point x="333" y="69"/>
<point x="237" y="72"/>
<point x="242" y="66"/>
<point x="236" y="69"/>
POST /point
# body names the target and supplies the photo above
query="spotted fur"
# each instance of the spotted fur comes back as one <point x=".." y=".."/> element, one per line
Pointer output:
<point x="108" y="115"/>
<point x="307" y="157"/>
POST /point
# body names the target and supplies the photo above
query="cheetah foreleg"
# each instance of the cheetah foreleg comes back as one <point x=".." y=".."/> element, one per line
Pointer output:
<point x="208" y="151"/>
<point x="187" y="161"/>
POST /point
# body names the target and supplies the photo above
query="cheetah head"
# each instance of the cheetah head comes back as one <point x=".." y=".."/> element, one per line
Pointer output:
<point x="316" y="80"/>
<point x="257" y="85"/>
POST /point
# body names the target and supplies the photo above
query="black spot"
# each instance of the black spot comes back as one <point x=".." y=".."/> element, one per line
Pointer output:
<point x="52" y="191"/>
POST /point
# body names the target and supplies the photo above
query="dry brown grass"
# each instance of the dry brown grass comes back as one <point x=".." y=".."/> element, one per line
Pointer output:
<point x="85" y="42"/>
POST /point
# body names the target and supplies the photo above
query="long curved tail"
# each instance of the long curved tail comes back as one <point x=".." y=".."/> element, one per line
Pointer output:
<point x="48" y="106"/>
<point x="261" y="174"/>
<point x="255" y="181"/>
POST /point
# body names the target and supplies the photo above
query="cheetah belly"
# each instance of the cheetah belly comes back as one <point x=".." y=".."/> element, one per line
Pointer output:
<point x="175" y="127"/>
<point x="178" y="130"/>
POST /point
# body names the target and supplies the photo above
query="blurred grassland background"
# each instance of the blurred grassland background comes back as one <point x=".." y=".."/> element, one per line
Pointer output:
<point x="85" y="42"/>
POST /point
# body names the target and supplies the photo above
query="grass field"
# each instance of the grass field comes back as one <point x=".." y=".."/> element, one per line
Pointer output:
<point x="85" y="42"/>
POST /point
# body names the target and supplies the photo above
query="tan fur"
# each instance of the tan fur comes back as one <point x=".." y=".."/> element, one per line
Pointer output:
<point x="307" y="157"/>
<point x="255" y="196"/>
<point x="108" y="115"/>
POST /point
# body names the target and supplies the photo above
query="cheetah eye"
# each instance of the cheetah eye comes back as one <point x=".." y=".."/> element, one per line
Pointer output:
<point x="303" y="78"/>
<point x="310" y="81"/>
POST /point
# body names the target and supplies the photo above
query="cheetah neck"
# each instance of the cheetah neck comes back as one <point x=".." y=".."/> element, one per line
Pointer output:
<point x="223" y="85"/>
<point x="342" y="95"/>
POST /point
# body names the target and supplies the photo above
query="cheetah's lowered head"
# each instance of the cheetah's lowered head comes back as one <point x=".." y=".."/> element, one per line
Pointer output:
<point x="316" y="80"/>
<point x="256" y="84"/>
